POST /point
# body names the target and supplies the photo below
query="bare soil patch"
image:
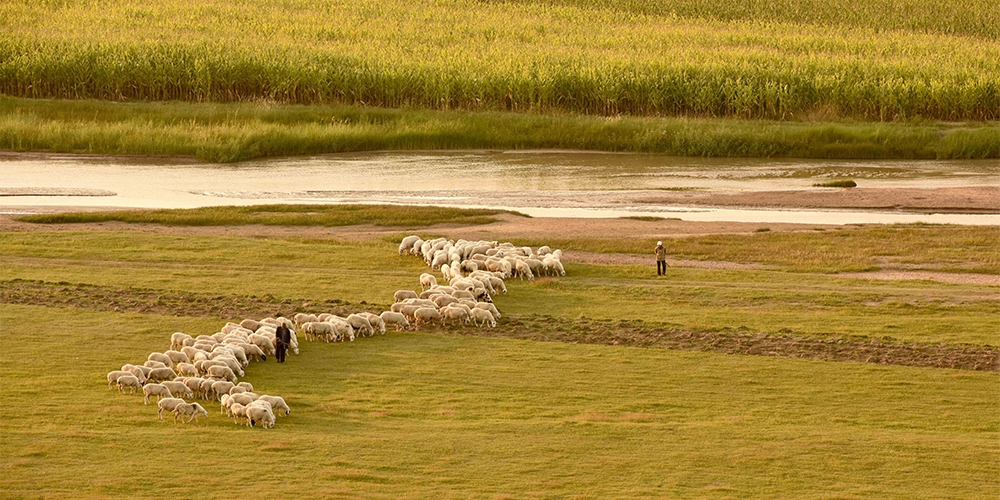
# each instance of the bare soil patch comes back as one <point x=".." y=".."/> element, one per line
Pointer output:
<point x="742" y="341"/>
<point x="960" y="278"/>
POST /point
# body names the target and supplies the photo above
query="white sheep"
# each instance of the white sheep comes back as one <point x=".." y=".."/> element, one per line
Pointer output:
<point x="484" y="315"/>
<point x="114" y="376"/>
<point x="489" y="307"/>
<point x="395" y="318"/>
<point x="187" y="369"/>
<point x="191" y="410"/>
<point x="177" y="339"/>
<point x="361" y="324"/>
<point x="238" y="413"/>
<point x="454" y="312"/>
<point x="277" y="403"/>
<point x="406" y="246"/>
<point x="375" y="321"/>
<point x="167" y="404"/>
<point x="154" y="364"/>
<point x="223" y="372"/>
<point x="178" y="389"/>
<point x="158" y="390"/>
<point x="162" y="358"/>
<point x="219" y="388"/>
<point x="402" y="295"/>
<point x="261" y="414"/>
<point x="427" y="315"/>
<point x="246" y="385"/>
<point x="129" y="381"/>
<point x="157" y="374"/>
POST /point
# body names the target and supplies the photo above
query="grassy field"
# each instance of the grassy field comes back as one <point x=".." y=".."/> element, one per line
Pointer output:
<point x="888" y="60"/>
<point x="240" y="131"/>
<point x="318" y="269"/>
<point x="441" y="416"/>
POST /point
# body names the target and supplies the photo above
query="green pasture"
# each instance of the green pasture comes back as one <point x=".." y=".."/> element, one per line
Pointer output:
<point x="885" y="60"/>
<point x="320" y="269"/>
<point x="410" y="415"/>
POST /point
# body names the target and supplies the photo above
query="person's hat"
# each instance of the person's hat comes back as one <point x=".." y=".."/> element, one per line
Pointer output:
<point x="659" y="242"/>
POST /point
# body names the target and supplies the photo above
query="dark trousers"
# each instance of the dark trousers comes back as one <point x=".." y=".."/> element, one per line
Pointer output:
<point x="280" y="353"/>
<point x="661" y="267"/>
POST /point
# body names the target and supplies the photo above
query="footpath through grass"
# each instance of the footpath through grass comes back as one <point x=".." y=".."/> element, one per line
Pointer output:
<point x="241" y="131"/>
<point x="440" y="416"/>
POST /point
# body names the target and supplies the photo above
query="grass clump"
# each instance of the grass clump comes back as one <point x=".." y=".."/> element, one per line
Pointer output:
<point x="837" y="184"/>
<point x="282" y="215"/>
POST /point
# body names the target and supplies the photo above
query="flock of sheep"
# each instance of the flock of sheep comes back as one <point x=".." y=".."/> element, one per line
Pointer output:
<point x="474" y="271"/>
<point x="207" y="367"/>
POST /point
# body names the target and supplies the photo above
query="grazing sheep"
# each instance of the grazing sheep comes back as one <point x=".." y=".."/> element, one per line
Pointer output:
<point x="187" y="369"/>
<point x="177" y="339"/>
<point x="375" y="321"/>
<point x="427" y="315"/>
<point x="254" y="352"/>
<point x="427" y="280"/>
<point x="167" y="404"/>
<point x="277" y="403"/>
<point x="406" y="246"/>
<point x="137" y="369"/>
<point x="236" y="390"/>
<point x="263" y="343"/>
<point x="261" y="414"/>
<point x="361" y="324"/>
<point x="489" y="307"/>
<point x="129" y="381"/>
<point x="178" y="389"/>
<point x="344" y="329"/>
<point x="302" y="318"/>
<point x="444" y="300"/>
<point x="158" y="374"/>
<point x="223" y="372"/>
<point x="485" y="316"/>
<point x="246" y="385"/>
<point x="154" y="364"/>
<point x="242" y="398"/>
<point x="250" y="324"/>
<point x="162" y="358"/>
<point x="226" y="404"/>
<point x="453" y="312"/>
<point x="195" y="383"/>
<point x="402" y="295"/>
<point x="239" y="412"/>
<point x="395" y="318"/>
<point x="319" y="330"/>
<point x="220" y="388"/>
<point x="158" y="390"/>
<point x="191" y="410"/>
<point x="115" y="375"/>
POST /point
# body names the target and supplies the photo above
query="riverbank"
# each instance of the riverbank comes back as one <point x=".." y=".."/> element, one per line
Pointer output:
<point x="240" y="131"/>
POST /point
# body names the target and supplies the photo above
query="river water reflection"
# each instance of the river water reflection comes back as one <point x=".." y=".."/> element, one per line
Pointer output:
<point x="537" y="183"/>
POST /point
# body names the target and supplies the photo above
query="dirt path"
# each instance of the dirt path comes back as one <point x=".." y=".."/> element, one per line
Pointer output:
<point x="742" y="341"/>
<point x="959" y="278"/>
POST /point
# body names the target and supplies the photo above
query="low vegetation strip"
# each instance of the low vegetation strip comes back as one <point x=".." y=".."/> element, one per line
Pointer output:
<point x="282" y="215"/>
<point x="228" y="132"/>
<point x="543" y="328"/>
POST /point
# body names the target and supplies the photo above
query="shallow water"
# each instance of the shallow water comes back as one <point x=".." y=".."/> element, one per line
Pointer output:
<point x="538" y="183"/>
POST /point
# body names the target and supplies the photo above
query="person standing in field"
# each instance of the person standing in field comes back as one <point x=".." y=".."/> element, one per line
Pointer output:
<point x="282" y="337"/>
<point x="661" y="259"/>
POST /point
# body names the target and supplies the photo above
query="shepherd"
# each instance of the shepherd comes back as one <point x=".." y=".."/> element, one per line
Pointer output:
<point x="661" y="259"/>
<point x="282" y="338"/>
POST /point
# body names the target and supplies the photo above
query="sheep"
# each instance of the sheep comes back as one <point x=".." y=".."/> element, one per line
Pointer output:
<point x="524" y="270"/>
<point x="242" y="398"/>
<point x="361" y="324"/>
<point x="250" y="324"/>
<point x="189" y="409"/>
<point x="344" y="329"/>
<point x="191" y="352"/>
<point x="203" y="365"/>
<point x="226" y="404"/>
<point x="238" y="413"/>
<point x="129" y="381"/>
<point x="277" y="403"/>
<point x="489" y="307"/>
<point x="194" y="383"/>
<point x="177" y="339"/>
<point x="236" y="390"/>
<point x="318" y="330"/>
<point x="224" y="372"/>
<point x="157" y="374"/>
<point x="254" y="352"/>
<point x="401" y="295"/>
<point x="154" y="364"/>
<point x="162" y="358"/>
<point x="462" y="294"/>
<point x="178" y="389"/>
<point x="444" y="300"/>
<point x="114" y="376"/>
<point x="395" y="318"/>
<point x="263" y="343"/>
<point x="427" y="280"/>
<point x="453" y="312"/>
<point x="302" y="318"/>
<point x="230" y="361"/>
<point x="375" y="321"/>
<point x="427" y="314"/>
<point x="158" y="390"/>
<point x="219" y="388"/>
<point x="187" y="369"/>
<point x="406" y="245"/>
<point x="167" y="404"/>
<point x="485" y="316"/>
<point x="260" y="414"/>
<point x="246" y="385"/>
<point x="137" y="369"/>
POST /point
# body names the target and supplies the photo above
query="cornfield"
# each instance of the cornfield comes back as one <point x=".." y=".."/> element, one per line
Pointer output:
<point x="686" y="57"/>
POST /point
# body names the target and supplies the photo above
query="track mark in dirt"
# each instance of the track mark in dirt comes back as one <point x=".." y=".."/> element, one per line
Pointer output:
<point x="742" y="341"/>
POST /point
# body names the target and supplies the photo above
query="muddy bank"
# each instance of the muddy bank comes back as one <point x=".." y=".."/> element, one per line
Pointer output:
<point x="741" y="341"/>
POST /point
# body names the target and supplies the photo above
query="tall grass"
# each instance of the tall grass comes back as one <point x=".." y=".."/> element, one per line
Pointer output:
<point x="240" y="131"/>
<point x="509" y="56"/>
